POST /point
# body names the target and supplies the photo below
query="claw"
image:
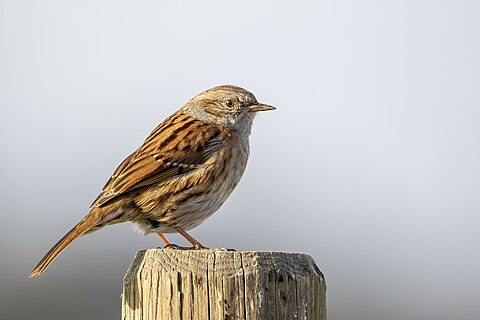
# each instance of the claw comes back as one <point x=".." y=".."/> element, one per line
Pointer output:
<point x="177" y="247"/>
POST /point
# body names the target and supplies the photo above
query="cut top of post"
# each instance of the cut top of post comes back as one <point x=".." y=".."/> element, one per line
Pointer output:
<point x="216" y="284"/>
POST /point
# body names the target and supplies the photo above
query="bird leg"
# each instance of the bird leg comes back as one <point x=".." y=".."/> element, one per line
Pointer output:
<point x="195" y="244"/>
<point x="165" y="240"/>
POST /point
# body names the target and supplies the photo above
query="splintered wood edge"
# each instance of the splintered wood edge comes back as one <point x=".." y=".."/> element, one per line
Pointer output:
<point x="134" y="266"/>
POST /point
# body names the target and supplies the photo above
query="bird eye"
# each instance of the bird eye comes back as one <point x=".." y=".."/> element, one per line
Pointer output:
<point x="229" y="103"/>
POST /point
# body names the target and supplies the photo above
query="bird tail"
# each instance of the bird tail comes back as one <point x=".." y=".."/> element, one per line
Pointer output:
<point x="81" y="228"/>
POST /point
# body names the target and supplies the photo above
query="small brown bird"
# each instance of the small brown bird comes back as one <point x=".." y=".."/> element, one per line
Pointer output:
<point x="183" y="172"/>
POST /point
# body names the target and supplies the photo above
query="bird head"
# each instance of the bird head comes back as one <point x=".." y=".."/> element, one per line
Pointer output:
<point x="227" y="105"/>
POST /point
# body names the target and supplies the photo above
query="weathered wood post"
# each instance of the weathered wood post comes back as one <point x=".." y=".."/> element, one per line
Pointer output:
<point x="214" y="284"/>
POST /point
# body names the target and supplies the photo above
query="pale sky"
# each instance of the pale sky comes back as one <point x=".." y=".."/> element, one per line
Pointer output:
<point x="370" y="163"/>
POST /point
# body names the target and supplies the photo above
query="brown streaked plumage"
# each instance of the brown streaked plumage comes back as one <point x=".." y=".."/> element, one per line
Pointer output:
<point x="183" y="172"/>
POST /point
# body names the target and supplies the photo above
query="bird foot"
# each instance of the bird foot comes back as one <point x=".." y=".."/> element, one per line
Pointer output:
<point x="225" y="249"/>
<point x="197" y="246"/>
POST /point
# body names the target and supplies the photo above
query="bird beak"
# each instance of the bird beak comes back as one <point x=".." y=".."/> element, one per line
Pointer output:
<point x="260" y="107"/>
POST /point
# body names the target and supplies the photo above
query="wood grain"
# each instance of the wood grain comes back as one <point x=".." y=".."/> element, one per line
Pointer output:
<point x="214" y="284"/>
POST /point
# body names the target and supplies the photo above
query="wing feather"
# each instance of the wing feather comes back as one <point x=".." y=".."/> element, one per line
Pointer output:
<point x="165" y="154"/>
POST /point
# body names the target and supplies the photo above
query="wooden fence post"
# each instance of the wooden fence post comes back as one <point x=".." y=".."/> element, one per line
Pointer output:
<point x="214" y="284"/>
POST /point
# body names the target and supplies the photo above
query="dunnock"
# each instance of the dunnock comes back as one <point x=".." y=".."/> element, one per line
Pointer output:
<point x="183" y="172"/>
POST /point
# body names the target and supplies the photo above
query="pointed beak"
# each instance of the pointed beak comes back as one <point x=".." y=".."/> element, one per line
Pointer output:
<point x="260" y="107"/>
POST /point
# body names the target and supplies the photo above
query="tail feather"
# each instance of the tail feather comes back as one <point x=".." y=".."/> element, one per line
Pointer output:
<point x="76" y="231"/>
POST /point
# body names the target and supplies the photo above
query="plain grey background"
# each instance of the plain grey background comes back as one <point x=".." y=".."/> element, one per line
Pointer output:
<point x="370" y="164"/>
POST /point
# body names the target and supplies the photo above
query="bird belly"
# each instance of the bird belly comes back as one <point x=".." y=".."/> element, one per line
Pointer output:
<point x="202" y="193"/>
<point x="199" y="207"/>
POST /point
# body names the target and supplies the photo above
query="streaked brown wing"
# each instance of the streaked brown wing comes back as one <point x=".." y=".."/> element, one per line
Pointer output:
<point x="114" y="176"/>
<point x="177" y="146"/>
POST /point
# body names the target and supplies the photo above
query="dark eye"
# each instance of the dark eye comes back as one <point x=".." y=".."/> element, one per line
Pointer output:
<point x="229" y="103"/>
